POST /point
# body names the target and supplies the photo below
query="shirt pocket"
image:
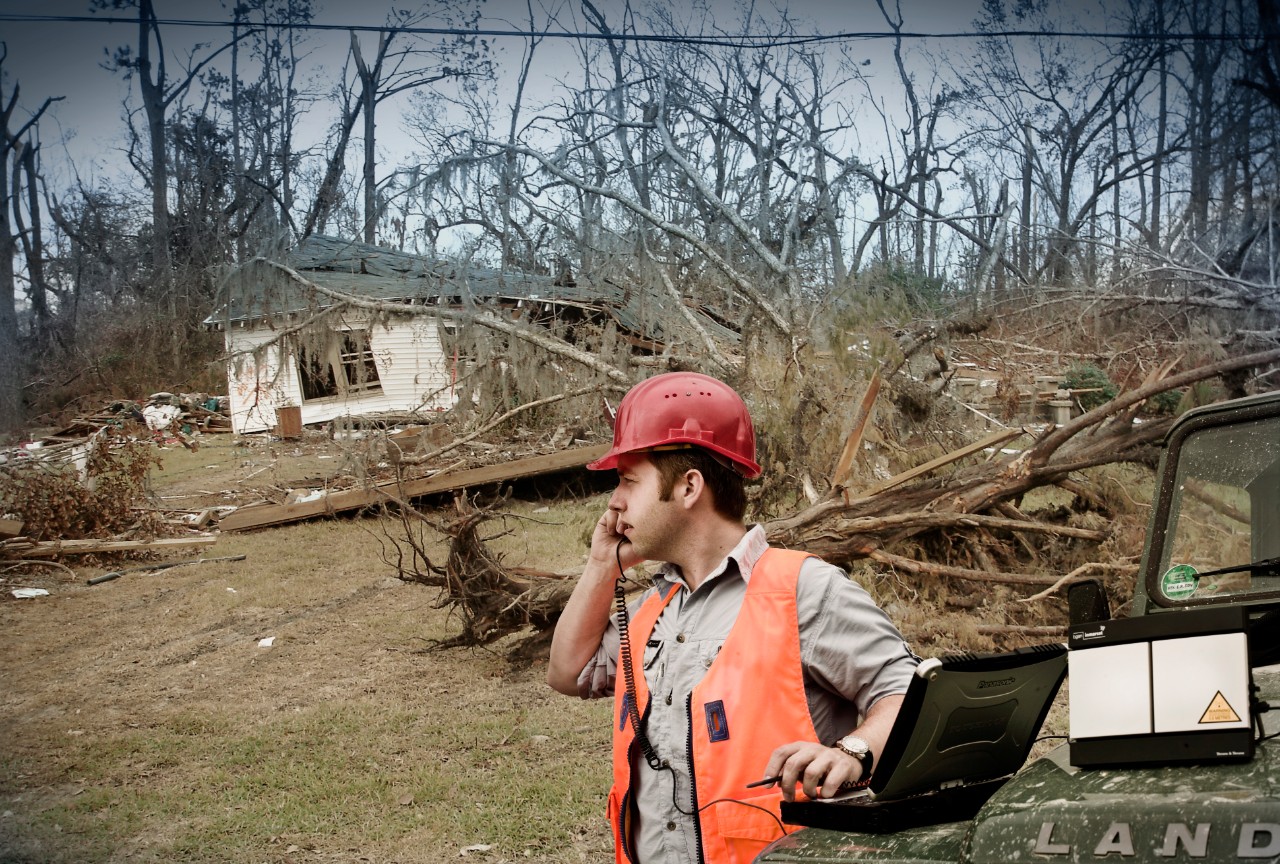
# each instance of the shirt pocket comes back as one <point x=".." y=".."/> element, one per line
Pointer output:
<point x="705" y="652"/>
<point x="652" y="654"/>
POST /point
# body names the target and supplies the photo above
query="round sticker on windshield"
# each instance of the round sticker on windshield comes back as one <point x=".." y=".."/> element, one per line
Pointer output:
<point x="1179" y="582"/>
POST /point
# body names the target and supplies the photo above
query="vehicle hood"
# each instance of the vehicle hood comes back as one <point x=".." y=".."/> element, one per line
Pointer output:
<point x="1052" y="811"/>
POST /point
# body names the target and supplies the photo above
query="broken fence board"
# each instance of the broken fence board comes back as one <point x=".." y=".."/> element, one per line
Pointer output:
<point x="262" y="515"/>
<point x="52" y="548"/>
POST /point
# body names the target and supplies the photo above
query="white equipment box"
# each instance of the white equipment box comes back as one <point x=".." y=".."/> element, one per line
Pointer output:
<point x="1173" y="687"/>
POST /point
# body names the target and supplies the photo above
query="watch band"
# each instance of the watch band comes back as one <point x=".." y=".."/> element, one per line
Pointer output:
<point x="858" y="749"/>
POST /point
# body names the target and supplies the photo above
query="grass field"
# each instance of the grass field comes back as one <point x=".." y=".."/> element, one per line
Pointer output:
<point x="144" y="721"/>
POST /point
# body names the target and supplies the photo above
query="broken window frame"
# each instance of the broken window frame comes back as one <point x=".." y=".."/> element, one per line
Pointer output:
<point x="344" y="366"/>
<point x="461" y="357"/>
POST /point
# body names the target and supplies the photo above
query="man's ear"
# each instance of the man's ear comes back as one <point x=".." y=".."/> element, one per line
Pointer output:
<point x="691" y="488"/>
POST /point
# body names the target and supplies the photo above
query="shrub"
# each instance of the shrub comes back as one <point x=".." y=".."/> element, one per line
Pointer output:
<point x="1165" y="403"/>
<point x="57" y="500"/>
<point x="1086" y="376"/>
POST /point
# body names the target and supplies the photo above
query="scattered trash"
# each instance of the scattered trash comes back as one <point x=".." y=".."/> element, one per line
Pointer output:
<point x="160" y="416"/>
<point x="24" y="593"/>
<point x="266" y="642"/>
<point x="478" y="847"/>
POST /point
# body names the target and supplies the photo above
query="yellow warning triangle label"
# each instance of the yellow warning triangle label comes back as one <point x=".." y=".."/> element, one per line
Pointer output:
<point x="1220" y="711"/>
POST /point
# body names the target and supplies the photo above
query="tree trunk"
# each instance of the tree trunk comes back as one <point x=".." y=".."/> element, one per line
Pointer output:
<point x="152" y="83"/>
<point x="1024" y="218"/>
<point x="369" y="76"/>
<point x="11" y="414"/>
<point x="32" y="242"/>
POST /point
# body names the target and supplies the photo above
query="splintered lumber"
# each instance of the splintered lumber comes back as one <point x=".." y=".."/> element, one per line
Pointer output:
<point x="854" y="440"/>
<point x="261" y="515"/>
<point x="55" y="548"/>
<point x="995" y="439"/>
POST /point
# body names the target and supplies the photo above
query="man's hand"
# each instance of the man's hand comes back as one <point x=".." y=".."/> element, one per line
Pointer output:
<point x="586" y="613"/>
<point x="821" y="770"/>
<point x="605" y="549"/>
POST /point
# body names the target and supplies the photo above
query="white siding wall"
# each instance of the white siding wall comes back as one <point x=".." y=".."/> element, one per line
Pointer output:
<point x="407" y="351"/>
<point x="255" y="383"/>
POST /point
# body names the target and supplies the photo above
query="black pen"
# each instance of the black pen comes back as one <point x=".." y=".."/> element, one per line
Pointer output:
<point x="768" y="781"/>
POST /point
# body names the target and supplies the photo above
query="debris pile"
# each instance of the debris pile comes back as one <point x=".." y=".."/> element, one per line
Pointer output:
<point x="83" y="489"/>
<point x="171" y="417"/>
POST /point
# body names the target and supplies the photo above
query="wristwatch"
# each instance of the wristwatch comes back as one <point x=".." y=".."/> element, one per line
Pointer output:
<point x="858" y="749"/>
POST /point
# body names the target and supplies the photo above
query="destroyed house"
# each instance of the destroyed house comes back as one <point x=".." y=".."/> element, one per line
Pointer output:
<point x="321" y="329"/>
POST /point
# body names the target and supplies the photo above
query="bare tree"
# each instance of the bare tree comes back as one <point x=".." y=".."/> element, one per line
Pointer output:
<point x="264" y="111"/>
<point x="15" y="143"/>
<point x="1065" y="113"/>
<point x="401" y="63"/>
<point x="146" y="62"/>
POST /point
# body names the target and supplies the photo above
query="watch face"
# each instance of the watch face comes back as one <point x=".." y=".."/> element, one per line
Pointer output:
<point x="855" y="746"/>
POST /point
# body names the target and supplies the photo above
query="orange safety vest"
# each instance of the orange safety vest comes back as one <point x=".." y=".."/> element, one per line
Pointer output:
<point x="751" y="701"/>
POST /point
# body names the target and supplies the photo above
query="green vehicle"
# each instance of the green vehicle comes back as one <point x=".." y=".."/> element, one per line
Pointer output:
<point x="1116" y="791"/>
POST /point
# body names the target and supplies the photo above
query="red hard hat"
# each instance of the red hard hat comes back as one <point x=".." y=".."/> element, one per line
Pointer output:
<point x="683" y="408"/>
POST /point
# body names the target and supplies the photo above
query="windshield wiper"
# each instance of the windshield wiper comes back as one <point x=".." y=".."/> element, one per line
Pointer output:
<point x="1263" y="564"/>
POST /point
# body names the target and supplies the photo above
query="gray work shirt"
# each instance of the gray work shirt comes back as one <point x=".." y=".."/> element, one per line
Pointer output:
<point x="851" y="652"/>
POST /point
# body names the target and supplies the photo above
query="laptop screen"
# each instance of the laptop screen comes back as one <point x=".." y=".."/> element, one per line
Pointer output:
<point x="967" y="718"/>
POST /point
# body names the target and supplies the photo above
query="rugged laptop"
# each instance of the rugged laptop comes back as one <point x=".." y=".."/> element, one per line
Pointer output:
<point x="966" y="726"/>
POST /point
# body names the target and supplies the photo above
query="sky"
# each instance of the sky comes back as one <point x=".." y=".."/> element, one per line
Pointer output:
<point x="85" y="128"/>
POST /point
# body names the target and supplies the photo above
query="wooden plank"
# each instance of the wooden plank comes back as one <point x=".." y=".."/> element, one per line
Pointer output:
<point x="261" y="515"/>
<point x="52" y="548"/>
<point x="995" y="439"/>
<point x="854" y="440"/>
<point x="10" y="527"/>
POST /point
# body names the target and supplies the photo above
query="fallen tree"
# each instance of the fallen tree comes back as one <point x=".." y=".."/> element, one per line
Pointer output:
<point x="491" y="600"/>
<point x="973" y="506"/>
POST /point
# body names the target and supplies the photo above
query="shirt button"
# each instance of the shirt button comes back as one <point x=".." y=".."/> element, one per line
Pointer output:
<point x="668" y="698"/>
<point x="680" y="638"/>
<point x="671" y="826"/>
<point x="666" y="763"/>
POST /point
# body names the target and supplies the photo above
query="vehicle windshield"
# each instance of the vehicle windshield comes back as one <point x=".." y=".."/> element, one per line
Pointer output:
<point x="1224" y="516"/>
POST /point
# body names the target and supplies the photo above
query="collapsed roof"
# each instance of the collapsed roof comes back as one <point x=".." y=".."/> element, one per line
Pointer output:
<point x="645" y="316"/>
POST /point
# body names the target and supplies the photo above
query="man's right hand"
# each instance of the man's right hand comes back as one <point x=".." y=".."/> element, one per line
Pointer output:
<point x="586" y="613"/>
<point x="610" y="548"/>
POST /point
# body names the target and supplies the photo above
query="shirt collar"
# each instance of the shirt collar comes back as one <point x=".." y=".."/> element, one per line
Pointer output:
<point x="741" y="559"/>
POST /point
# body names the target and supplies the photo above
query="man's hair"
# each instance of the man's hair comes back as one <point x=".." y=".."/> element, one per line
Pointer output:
<point x="728" y="490"/>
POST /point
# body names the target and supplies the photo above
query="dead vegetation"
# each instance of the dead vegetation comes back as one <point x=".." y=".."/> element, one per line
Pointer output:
<point x="489" y="598"/>
<point x="921" y="459"/>
<point x="94" y="488"/>
<point x="963" y="530"/>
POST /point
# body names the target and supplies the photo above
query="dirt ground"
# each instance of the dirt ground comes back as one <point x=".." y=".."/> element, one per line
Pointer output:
<point x="194" y="713"/>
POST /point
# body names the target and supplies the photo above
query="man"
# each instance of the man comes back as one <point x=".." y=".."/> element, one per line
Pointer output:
<point x="741" y="663"/>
